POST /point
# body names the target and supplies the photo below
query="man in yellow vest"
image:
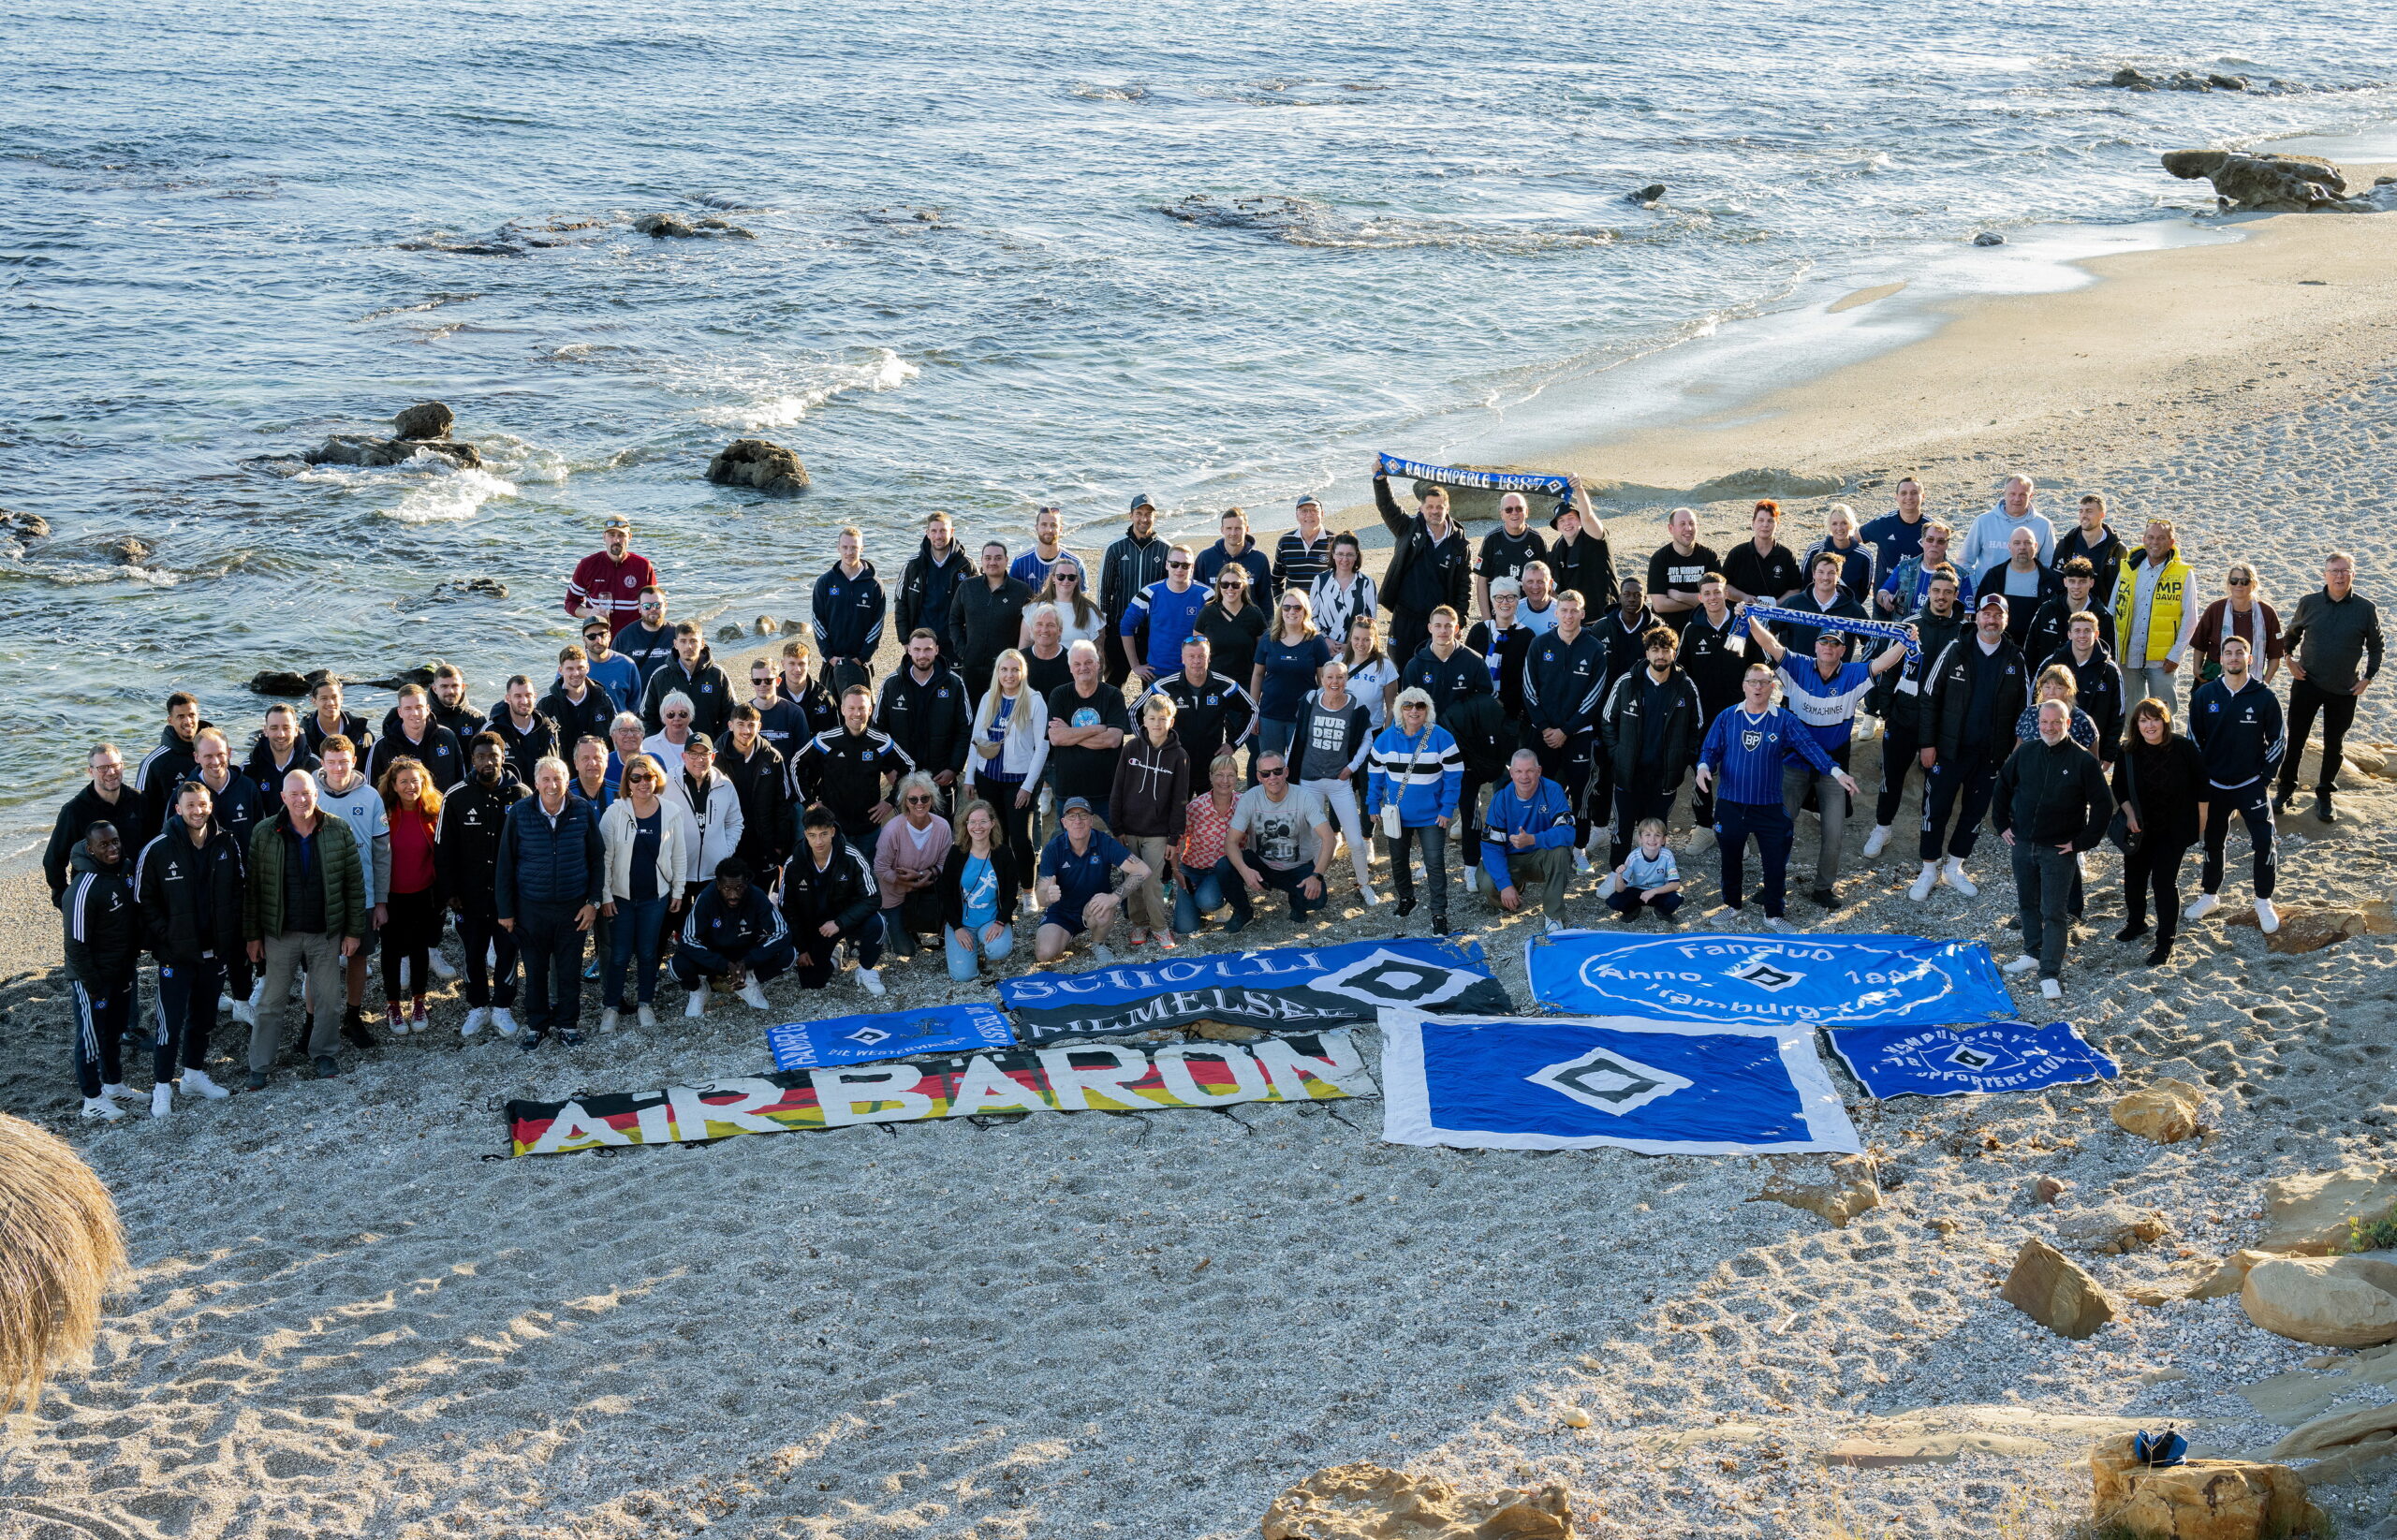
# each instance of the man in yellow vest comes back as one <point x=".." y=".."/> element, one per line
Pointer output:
<point x="2153" y="617"/>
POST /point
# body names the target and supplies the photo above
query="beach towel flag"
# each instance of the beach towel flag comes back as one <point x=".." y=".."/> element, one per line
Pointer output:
<point x="1571" y="1082"/>
<point x="888" y="1035"/>
<point x="1965" y="1061"/>
<point x="1853" y="981"/>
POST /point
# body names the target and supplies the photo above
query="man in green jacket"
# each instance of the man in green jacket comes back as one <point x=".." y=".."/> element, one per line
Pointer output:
<point x="303" y="905"/>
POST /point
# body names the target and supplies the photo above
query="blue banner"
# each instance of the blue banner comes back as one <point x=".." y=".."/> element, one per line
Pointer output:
<point x="1290" y="988"/>
<point x="1457" y="475"/>
<point x="1563" y="1082"/>
<point x="1853" y="981"/>
<point x="890" y="1034"/>
<point x="1965" y="1061"/>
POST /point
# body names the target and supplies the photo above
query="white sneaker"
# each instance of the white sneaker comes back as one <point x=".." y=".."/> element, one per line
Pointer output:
<point x="2053" y="990"/>
<point x="1877" y="841"/>
<point x="1606" y="888"/>
<point x="1699" y="839"/>
<point x="1552" y="925"/>
<point x="246" y="1011"/>
<point x="441" y="965"/>
<point x="648" y="1018"/>
<point x="2267" y="916"/>
<point x="2207" y="903"/>
<point x="2022" y="964"/>
<point x="608" y="1019"/>
<point x="1105" y="954"/>
<point x="1774" y="922"/>
<point x="698" y="1005"/>
<point x="502" y="1020"/>
<point x="1921" y="888"/>
<point x="223" y="1003"/>
<point x="476" y="1020"/>
<point x="102" y="1109"/>
<point x="110" y="1092"/>
<point x="196" y="1083"/>
<point x="872" y="982"/>
<point x="1581" y="860"/>
<point x="1953" y="872"/>
<point x="1473" y="878"/>
<point x="1367" y="897"/>
<point x="755" y="997"/>
<point x="162" y="1098"/>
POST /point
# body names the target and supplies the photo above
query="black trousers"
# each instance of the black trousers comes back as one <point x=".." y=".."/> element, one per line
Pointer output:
<point x="2338" y="713"/>
<point x="1649" y="796"/>
<point x="1901" y="756"/>
<point x="2154" y="868"/>
<point x="187" y="994"/>
<point x="552" y="965"/>
<point x="480" y="932"/>
<point x="1570" y="767"/>
<point x="2250" y="803"/>
<point x="1015" y="824"/>
<point x="1969" y="779"/>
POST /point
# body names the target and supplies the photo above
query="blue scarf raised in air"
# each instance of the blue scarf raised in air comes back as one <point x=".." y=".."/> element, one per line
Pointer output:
<point x="1848" y="623"/>
<point x="1453" y="476"/>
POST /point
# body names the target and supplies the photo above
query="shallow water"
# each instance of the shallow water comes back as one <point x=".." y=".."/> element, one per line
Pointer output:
<point x="1214" y="252"/>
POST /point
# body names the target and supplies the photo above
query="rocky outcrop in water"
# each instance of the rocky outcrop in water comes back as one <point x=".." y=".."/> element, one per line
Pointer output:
<point x="760" y="464"/>
<point x="423" y="426"/>
<point x="467" y="588"/>
<point x="673" y="226"/>
<point x="1651" y="194"/>
<point x="2276" y="183"/>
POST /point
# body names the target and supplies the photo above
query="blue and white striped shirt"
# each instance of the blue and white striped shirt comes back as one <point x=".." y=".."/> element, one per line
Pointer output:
<point x="1744" y="751"/>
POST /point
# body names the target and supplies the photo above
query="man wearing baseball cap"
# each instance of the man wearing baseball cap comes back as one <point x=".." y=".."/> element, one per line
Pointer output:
<point x="614" y="672"/>
<point x="1305" y="553"/>
<point x="1084" y="875"/>
<point x="1974" y="690"/>
<point x="606" y="583"/>
<point x="1130" y="566"/>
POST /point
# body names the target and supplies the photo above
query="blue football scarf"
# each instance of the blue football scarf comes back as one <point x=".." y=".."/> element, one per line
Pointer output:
<point x="889" y="1035"/>
<point x="1770" y="612"/>
<point x="1965" y="1061"/>
<point x="1457" y="475"/>
<point x="1564" y="1082"/>
<point x="1857" y="981"/>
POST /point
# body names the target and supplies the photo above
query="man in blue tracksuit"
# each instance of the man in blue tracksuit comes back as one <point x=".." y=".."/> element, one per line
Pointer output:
<point x="1167" y="612"/>
<point x="2235" y="723"/>
<point x="546" y="886"/>
<point x="1743" y="752"/>
<point x="849" y="609"/>
<point x="1529" y="839"/>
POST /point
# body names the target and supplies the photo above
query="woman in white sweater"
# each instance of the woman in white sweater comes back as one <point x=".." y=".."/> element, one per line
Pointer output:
<point x="643" y="837"/>
<point x="1011" y="747"/>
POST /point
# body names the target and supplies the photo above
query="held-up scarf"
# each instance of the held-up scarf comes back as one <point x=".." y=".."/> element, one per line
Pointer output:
<point x="1770" y="612"/>
<point x="1453" y="475"/>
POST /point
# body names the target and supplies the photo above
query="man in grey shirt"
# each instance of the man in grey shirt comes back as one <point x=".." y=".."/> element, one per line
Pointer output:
<point x="2336" y="629"/>
<point x="1985" y="542"/>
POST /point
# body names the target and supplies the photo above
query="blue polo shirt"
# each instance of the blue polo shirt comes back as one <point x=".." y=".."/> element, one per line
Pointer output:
<point x="1079" y="878"/>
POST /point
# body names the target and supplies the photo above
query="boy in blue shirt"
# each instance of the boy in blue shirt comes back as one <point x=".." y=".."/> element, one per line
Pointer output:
<point x="1648" y="877"/>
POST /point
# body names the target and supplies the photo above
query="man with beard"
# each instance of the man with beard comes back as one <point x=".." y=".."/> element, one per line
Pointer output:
<point x="929" y="585"/>
<point x="467" y="856"/>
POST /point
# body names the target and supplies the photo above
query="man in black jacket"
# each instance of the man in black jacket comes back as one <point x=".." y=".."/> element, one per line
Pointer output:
<point x="848" y="609"/>
<point x="2051" y="804"/>
<point x="758" y="773"/>
<point x="931" y="581"/>
<point x="1211" y="711"/>
<point x="2236" y="723"/>
<point x="693" y="672"/>
<point x="923" y="709"/>
<point x="1127" y="566"/>
<point x="849" y="771"/>
<point x="1565" y="678"/>
<point x="1905" y="709"/>
<point x="1652" y="723"/>
<point x="2097" y="681"/>
<point x="105" y="799"/>
<point x="102" y="950"/>
<point x="829" y="897"/>
<point x="166" y="767"/>
<point x="1977" y="687"/>
<point x="577" y="705"/>
<point x="1431" y="566"/>
<point x="529" y="736"/>
<point x="189" y="883"/>
<point x="986" y="617"/>
<point x="2051" y="625"/>
<point x="467" y="858"/>
<point x="1714" y="653"/>
<point x="546" y="888"/>
<point x="733" y="930"/>
<point x="2334" y="650"/>
<point x="415" y="735"/>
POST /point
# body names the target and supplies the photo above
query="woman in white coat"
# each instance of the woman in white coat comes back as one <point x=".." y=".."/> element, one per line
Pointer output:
<point x="643" y="834"/>
<point x="710" y="806"/>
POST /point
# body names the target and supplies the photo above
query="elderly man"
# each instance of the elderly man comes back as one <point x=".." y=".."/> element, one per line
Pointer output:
<point x="547" y="885"/>
<point x="1528" y="839"/>
<point x="304" y="904"/>
<point x="1087" y="726"/>
<point x="1986" y="542"/>
<point x="2051" y="804"/>
<point x="1505" y="551"/>
<point x="1084" y="875"/>
<point x="2334" y="650"/>
<point x="1305" y="553"/>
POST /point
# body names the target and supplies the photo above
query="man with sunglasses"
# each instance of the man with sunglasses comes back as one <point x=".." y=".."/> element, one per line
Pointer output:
<point x="1281" y="838"/>
<point x="614" y="672"/>
<point x="606" y="583"/>
<point x="649" y="639"/>
<point x="1161" y="616"/>
<point x="984" y="618"/>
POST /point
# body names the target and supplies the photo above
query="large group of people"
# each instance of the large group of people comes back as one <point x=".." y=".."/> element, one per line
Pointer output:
<point x="1119" y="750"/>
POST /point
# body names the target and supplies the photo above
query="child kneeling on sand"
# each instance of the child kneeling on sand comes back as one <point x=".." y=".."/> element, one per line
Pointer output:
<point x="1648" y="878"/>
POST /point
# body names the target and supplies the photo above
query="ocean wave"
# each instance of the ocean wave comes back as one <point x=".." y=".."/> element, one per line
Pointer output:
<point x="1091" y="93"/>
<point x="1302" y="222"/>
<point x="449" y="495"/>
<point x="885" y="371"/>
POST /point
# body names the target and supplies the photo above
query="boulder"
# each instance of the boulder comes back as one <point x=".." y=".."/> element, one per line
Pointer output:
<point x="2166" y="1111"/>
<point x="730" y="633"/>
<point x="276" y="681"/>
<point x="2335" y="1301"/>
<point x="127" y="549"/>
<point x="422" y="677"/>
<point x="2266" y="184"/>
<point x="2231" y="1277"/>
<point x="1989" y="238"/>
<point x="1763" y="481"/>
<point x="2114" y="1229"/>
<point x="425" y="420"/>
<point x="2133" y="79"/>
<point x="664" y="227"/>
<point x="756" y="462"/>
<point x="2319" y="1213"/>
<point x="1367" y="1501"/>
<point x="374" y="453"/>
<point x="2047" y="1189"/>
<point x="2309" y="928"/>
<point x="2051" y="1289"/>
<point x="462" y="588"/>
<point x="2339" y="1430"/>
<point x="2198" y="1498"/>
<point x="1838" y="1189"/>
<point x="1652" y="193"/>
<point x="24" y="526"/>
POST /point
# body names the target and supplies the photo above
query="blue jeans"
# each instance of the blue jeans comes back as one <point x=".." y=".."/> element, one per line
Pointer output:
<point x="960" y="958"/>
<point x="1773" y="830"/>
<point x="1194" y="898"/>
<point x="638" y="930"/>
<point x="1273" y="738"/>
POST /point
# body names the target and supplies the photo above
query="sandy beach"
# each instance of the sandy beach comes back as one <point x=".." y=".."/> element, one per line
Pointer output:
<point x="345" y="1316"/>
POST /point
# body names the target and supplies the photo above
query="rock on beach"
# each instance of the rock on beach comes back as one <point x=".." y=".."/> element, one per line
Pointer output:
<point x="1367" y="1501"/>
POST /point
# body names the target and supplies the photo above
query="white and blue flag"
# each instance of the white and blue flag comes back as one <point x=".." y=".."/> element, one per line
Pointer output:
<point x="1967" y="1061"/>
<point x="888" y="1035"/>
<point x="1571" y="1082"/>
<point x="1853" y="981"/>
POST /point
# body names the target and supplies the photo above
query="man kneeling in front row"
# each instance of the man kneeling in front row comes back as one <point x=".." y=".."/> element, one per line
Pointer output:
<point x="1084" y="875"/>
<point x="1529" y="840"/>
<point x="733" y="931"/>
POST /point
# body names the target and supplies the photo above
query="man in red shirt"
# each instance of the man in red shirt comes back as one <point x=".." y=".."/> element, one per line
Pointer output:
<point x="608" y="583"/>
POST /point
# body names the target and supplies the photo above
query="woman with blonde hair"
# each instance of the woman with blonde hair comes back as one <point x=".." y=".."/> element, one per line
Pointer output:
<point x="1372" y="673"/>
<point x="1065" y="588"/>
<point x="1009" y="740"/>
<point x="1287" y="662"/>
<point x="412" y="808"/>
<point x="2239" y="613"/>
<point x="647" y="853"/>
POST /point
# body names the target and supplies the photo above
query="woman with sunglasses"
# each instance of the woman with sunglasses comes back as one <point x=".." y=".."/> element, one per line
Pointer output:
<point x="1233" y="626"/>
<point x="646" y="858"/>
<point x="2239" y="613"/>
<point x="1079" y="619"/>
<point x="1287" y="664"/>
<point x="1417" y="772"/>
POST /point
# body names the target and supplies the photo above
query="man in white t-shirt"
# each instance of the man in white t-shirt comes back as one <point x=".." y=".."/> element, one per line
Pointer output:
<point x="1281" y="837"/>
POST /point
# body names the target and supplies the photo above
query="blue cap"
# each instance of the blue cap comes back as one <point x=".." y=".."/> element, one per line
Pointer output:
<point x="1141" y="500"/>
<point x="1309" y="500"/>
<point x="1074" y="804"/>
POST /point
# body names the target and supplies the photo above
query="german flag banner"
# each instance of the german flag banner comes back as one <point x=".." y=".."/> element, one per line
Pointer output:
<point x="1094" y="1078"/>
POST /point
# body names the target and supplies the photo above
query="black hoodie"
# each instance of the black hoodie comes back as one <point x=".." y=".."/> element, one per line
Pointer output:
<point x="466" y="855"/>
<point x="191" y="898"/>
<point x="75" y="820"/>
<point x="710" y="689"/>
<point x="925" y="590"/>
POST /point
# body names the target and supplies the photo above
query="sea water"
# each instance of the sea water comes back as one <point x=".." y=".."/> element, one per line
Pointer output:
<point x="988" y="255"/>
